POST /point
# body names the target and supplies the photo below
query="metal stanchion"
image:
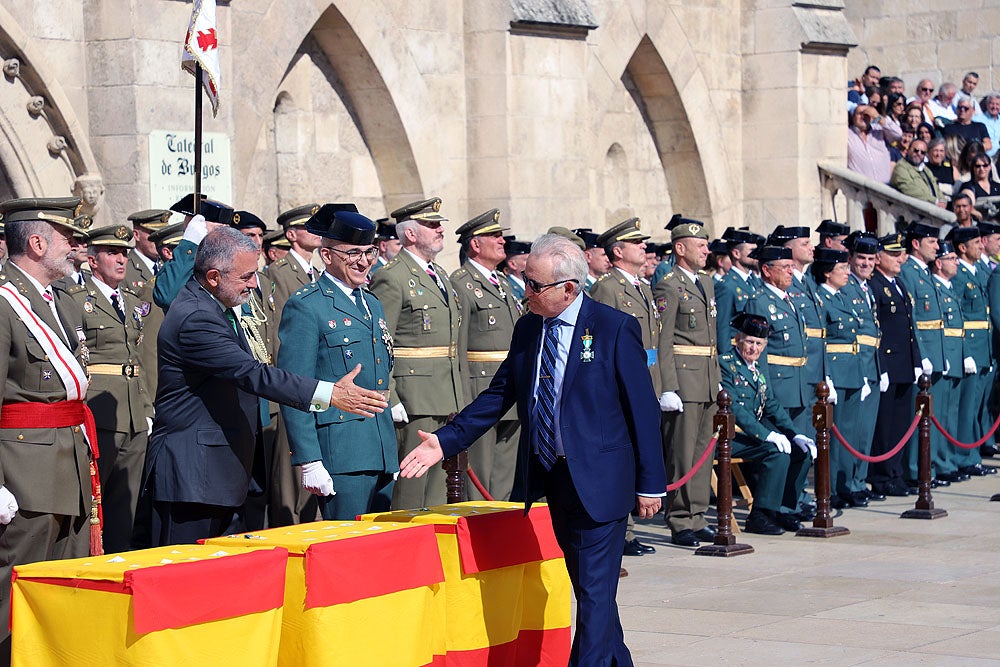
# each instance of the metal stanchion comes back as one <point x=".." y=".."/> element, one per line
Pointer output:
<point x="822" y="525"/>
<point x="725" y="542"/>
<point x="924" y="507"/>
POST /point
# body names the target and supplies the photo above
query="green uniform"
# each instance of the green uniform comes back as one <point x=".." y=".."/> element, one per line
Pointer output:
<point x="488" y="314"/>
<point x="732" y="293"/>
<point x="424" y="325"/>
<point x="690" y="368"/>
<point x="615" y="290"/>
<point x="970" y="287"/>
<point x="944" y="458"/>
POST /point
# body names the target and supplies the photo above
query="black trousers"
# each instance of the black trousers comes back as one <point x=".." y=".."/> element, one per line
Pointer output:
<point x="186" y="523"/>
<point x="895" y="413"/>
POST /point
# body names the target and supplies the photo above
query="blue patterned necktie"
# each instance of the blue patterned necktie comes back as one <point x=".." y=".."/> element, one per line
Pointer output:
<point x="545" y="404"/>
<point x="359" y="301"/>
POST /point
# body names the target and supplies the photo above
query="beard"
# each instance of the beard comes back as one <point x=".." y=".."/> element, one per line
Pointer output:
<point x="57" y="266"/>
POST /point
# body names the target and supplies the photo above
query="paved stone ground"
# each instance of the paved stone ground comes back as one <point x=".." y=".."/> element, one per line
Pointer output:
<point x="893" y="592"/>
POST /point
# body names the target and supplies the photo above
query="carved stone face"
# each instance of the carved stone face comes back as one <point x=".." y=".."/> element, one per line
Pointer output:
<point x="12" y="67"/>
<point x="89" y="190"/>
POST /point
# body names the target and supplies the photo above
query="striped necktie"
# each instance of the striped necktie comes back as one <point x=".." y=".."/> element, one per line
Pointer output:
<point x="545" y="402"/>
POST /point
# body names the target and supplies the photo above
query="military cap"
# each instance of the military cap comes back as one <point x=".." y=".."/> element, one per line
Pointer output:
<point x="677" y="219"/>
<point x="656" y="248"/>
<point x="116" y="236"/>
<point x="831" y="228"/>
<point x="151" y="218"/>
<point x="892" y="242"/>
<point x="944" y="248"/>
<point x="3" y="230"/>
<point x="741" y="235"/>
<point x="689" y="229"/>
<point x="963" y="234"/>
<point x="918" y="230"/>
<point x="296" y="217"/>
<point x="277" y="239"/>
<point x="385" y="230"/>
<point x="168" y="236"/>
<point x="782" y="234"/>
<point x="83" y="223"/>
<point x="242" y="220"/>
<point x="717" y="247"/>
<point x="211" y="210"/>
<point x="334" y="221"/>
<point x="513" y="247"/>
<point x="986" y="228"/>
<point x="62" y="211"/>
<point x="623" y="231"/>
<point x="425" y="210"/>
<point x="830" y="256"/>
<point x="751" y="325"/>
<point x="861" y="243"/>
<point x="568" y="235"/>
<point x="484" y="223"/>
<point x="771" y="253"/>
<point x="589" y="237"/>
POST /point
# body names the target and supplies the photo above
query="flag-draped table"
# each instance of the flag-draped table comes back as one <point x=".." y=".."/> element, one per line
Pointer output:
<point x="176" y="605"/>
<point x="357" y="593"/>
<point x="506" y="590"/>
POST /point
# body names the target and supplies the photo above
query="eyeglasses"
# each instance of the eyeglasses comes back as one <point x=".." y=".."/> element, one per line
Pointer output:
<point x="927" y="90"/>
<point x="354" y="255"/>
<point x="918" y="151"/>
<point x="982" y="166"/>
<point x="963" y="108"/>
<point x="538" y="288"/>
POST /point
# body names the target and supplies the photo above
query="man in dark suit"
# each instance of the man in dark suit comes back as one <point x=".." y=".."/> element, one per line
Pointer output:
<point x="202" y="446"/>
<point x="570" y="355"/>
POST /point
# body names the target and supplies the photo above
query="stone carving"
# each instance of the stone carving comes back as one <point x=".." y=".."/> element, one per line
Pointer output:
<point x="90" y="189"/>
<point x="12" y="68"/>
<point x="35" y="105"/>
<point x="56" y="145"/>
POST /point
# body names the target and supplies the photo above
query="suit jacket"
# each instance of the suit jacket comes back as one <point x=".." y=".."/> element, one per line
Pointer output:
<point x="613" y="289"/>
<point x="327" y="335"/>
<point x="46" y="469"/>
<point x="787" y="339"/>
<point x="610" y="456"/>
<point x="898" y="351"/>
<point x="921" y="185"/>
<point x="926" y="308"/>
<point x="418" y="316"/>
<point x="687" y="318"/>
<point x="206" y="420"/>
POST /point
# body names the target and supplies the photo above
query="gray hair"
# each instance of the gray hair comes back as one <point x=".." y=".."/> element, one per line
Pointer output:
<point x="19" y="232"/>
<point x="568" y="261"/>
<point x="219" y="248"/>
<point x="934" y="143"/>
<point x="947" y="88"/>
<point x="985" y="102"/>
<point x="401" y="228"/>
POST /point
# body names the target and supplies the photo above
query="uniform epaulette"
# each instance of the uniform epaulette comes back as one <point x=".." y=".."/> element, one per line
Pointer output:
<point x="279" y="263"/>
<point x="128" y="290"/>
<point x="670" y="274"/>
<point x="602" y="278"/>
<point x="75" y="289"/>
<point x="307" y="289"/>
<point x="701" y="272"/>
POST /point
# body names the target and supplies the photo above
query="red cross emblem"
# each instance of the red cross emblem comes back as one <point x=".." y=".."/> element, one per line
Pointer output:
<point x="207" y="40"/>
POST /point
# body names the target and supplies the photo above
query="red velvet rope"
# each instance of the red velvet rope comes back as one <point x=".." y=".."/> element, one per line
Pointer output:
<point x="881" y="457"/>
<point x="478" y="484"/>
<point x="963" y="445"/>
<point x="697" y="466"/>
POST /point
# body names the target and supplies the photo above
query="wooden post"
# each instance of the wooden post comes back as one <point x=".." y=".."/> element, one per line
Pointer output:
<point x="924" y="507"/>
<point x="822" y="420"/>
<point x="455" y="480"/>
<point x="725" y="542"/>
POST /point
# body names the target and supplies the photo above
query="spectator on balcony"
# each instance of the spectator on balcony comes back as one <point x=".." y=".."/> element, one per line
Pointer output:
<point x="937" y="110"/>
<point x="914" y="115"/>
<point x="912" y="177"/>
<point x="982" y="183"/>
<point x="965" y="165"/>
<point x="967" y="128"/>
<point x="866" y="150"/>
<point x="939" y="165"/>
<point x="894" y="107"/>
<point x="925" y="132"/>
<point x="989" y="115"/>
<point x="923" y="93"/>
<point x="860" y="92"/>
<point x="897" y="149"/>
<point x="969" y="83"/>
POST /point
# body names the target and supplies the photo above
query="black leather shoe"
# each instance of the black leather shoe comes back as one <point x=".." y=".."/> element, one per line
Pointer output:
<point x="787" y="521"/>
<point x="897" y="488"/>
<point x="633" y="548"/>
<point x="685" y="538"/>
<point x="804" y="516"/>
<point x="876" y="495"/>
<point x="978" y="470"/>
<point x="645" y="548"/>
<point x="913" y="486"/>
<point x="840" y="502"/>
<point x="706" y="534"/>
<point x="989" y="450"/>
<point x="939" y="482"/>
<point x="762" y="523"/>
<point x="860" y="498"/>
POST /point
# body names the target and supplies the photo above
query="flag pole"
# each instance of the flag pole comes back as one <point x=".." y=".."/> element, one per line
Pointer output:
<point x="197" y="139"/>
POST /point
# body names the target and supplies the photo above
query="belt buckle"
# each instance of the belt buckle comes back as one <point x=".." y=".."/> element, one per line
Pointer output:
<point x="855" y="347"/>
<point x="128" y="370"/>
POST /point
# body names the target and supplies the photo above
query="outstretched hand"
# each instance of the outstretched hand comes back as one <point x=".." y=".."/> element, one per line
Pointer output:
<point x="349" y="397"/>
<point x="426" y="454"/>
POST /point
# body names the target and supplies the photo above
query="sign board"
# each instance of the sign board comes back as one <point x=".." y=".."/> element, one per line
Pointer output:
<point x="171" y="167"/>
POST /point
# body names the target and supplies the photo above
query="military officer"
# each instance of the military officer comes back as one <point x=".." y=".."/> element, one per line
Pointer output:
<point x="488" y="311"/>
<point x="992" y="239"/>
<point x="739" y="284"/>
<point x="970" y="286"/>
<point x="667" y="264"/>
<point x="388" y="243"/>
<point x="513" y="266"/>
<point x="423" y="315"/>
<point x="832" y="234"/>
<point x="45" y="471"/>
<point x="922" y="247"/>
<point x="275" y="245"/>
<point x="785" y="356"/>
<point x="944" y="459"/>
<point x="295" y="270"/>
<point x="765" y="432"/>
<point x="332" y="328"/>
<point x="113" y="335"/>
<point x="144" y="260"/>
<point x="597" y="260"/>
<point x="166" y="240"/>
<point x="898" y="356"/>
<point x="719" y="263"/>
<point x="689" y="373"/>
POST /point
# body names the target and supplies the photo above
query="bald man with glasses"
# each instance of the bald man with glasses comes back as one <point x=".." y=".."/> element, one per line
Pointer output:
<point x="912" y="177"/>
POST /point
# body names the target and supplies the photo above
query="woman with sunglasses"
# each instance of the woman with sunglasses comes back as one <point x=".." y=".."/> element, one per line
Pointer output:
<point x="983" y="182"/>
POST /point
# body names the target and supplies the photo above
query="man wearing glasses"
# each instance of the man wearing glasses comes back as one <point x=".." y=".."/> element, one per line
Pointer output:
<point x="422" y="314"/>
<point x="965" y="127"/>
<point x="912" y="177"/>
<point x="333" y="328"/>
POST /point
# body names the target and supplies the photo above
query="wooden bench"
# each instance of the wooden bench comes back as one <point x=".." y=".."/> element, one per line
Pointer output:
<point x="741" y="483"/>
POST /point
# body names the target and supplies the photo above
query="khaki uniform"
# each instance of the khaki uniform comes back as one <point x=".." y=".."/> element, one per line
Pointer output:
<point x="426" y="378"/>
<point x="119" y="400"/>
<point x="615" y="290"/>
<point x="140" y="280"/>
<point x="488" y="314"/>
<point x="689" y="367"/>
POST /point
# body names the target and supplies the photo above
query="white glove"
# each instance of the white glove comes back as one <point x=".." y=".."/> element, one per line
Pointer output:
<point x="833" y="391"/>
<point x="926" y="366"/>
<point x="947" y="365"/>
<point x="806" y="444"/>
<point x="779" y="441"/>
<point x="917" y="373"/>
<point x="883" y="383"/>
<point x="316" y="480"/>
<point x="8" y="506"/>
<point x="149" y="426"/>
<point x="671" y="402"/>
<point x="969" y="366"/>
<point x="399" y="414"/>
<point x="196" y="230"/>
<point x="865" y="389"/>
